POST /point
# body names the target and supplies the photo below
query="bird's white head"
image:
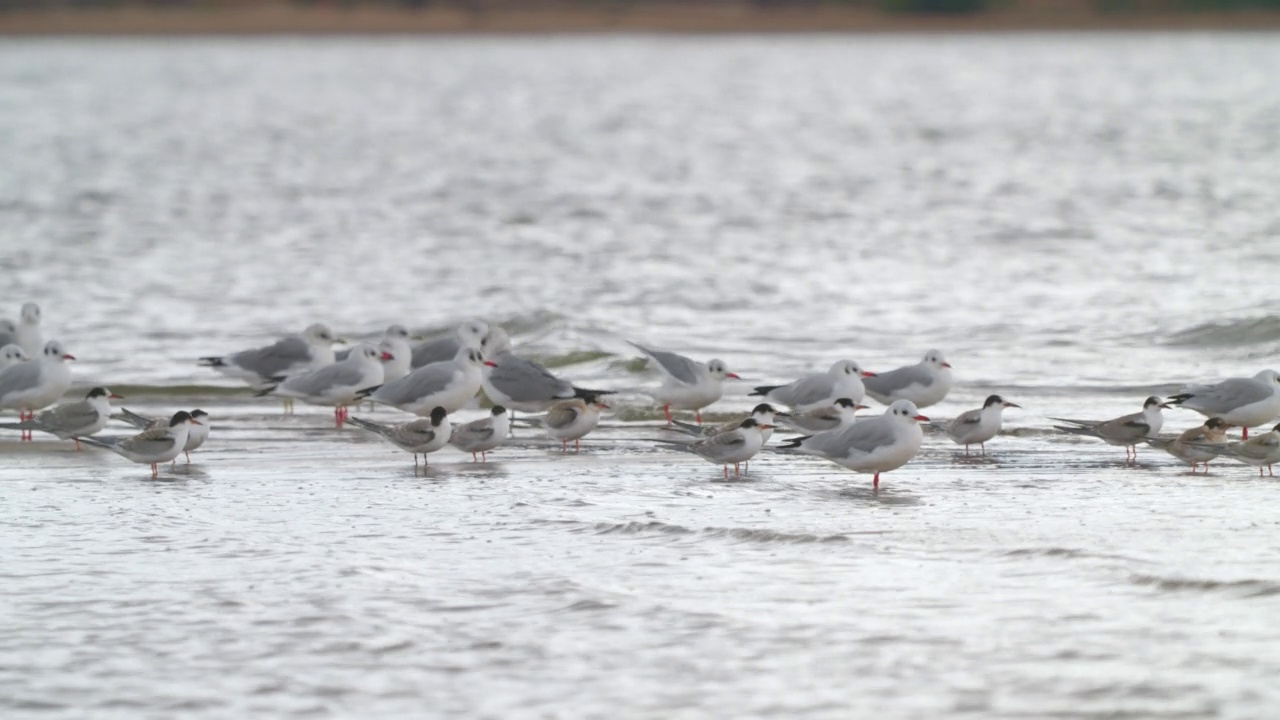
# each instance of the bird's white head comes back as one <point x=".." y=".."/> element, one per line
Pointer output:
<point x="936" y="359"/>
<point x="396" y="331"/>
<point x="31" y="314"/>
<point x="717" y="370"/>
<point x="905" y="411"/>
<point x="472" y="333"/>
<point x="11" y="353"/>
<point x="319" y="334"/>
<point x="55" y="352"/>
<point x="1268" y="376"/>
<point x="848" y="367"/>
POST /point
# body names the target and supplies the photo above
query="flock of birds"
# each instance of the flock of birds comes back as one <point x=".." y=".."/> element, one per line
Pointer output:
<point x="438" y="377"/>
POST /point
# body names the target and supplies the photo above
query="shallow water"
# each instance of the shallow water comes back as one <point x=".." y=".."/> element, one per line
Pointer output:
<point x="1078" y="221"/>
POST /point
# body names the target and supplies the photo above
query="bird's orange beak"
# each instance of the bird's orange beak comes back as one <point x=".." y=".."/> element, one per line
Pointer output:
<point x="735" y="376"/>
<point x="490" y="363"/>
<point x="68" y="356"/>
<point x="920" y="418"/>
<point x="114" y="396"/>
<point x="868" y="374"/>
<point x="387" y="356"/>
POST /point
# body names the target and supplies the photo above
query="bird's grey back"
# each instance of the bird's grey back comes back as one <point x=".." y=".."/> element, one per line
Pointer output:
<point x="526" y="381"/>
<point x="274" y="359"/>
<point x="890" y="382"/>
<point x="678" y="366"/>
<point x="17" y="378"/>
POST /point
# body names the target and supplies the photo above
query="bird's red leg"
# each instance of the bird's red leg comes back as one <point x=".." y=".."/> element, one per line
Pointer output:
<point x="875" y="482"/>
<point x="736" y="471"/>
<point x="666" y="410"/>
<point x="77" y="444"/>
<point x="698" y="414"/>
<point x="726" y="472"/>
<point x="564" y="446"/>
<point x="577" y="445"/>
<point x="184" y="452"/>
<point x="1245" y="432"/>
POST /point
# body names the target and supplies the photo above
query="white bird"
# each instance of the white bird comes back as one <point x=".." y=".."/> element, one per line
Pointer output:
<point x="8" y="333"/>
<point x="337" y="385"/>
<point x="1259" y="450"/>
<point x="153" y="446"/>
<point x="925" y="383"/>
<point x="1187" y="446"/>
<point x="37" y="384"/>
<point x="875" y="445"/>
<point x="519" y="384"/>
<point x="764" y="414"/>
<point x="443" y="349"/>
<point x="1125" y="431"/>
<point x="838" y="414"/>
<point x="481" y="436"/>
<point x="689" y="385"/>
<point x="976" y="427"/>
<point x="572" y="419"/>
<point x="422" y="435"/>
<point x="728" y="448"/>
<point x="27" y="332"/>
<point x="450" y="384"/>
<point x="819" y="390"/>
<point x="70" y="421"/>
<point x="196" y="435"/>
<point x="12" y="354"/>
<point x="1247" y="402"/>
<point x="394" y="342"/>
<point x="292" y="355"/>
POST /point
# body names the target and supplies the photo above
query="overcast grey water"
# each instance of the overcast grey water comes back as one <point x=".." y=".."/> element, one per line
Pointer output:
<point x="1077" y="221"/>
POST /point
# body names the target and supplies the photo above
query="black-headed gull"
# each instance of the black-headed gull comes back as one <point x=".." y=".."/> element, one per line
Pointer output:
<point x="1246" y="402"/>
<point x="824" y="419"/>
<point x="196" y="435"/>
<point x="875" y="445"/>
<point x="264" y="366"/>
<point x="70" y="421"/>
<point x="154" y="446"/>
<point x="728" y="448"/>
<point x="475" y="334"/>
<point x="26" y="332"/>
<point x="394" y="342"/>
<point x="423" y="435"/>
<point x="688" y="384"/>
<point x="519" y="384"/>
<point x="36" y="384"/>
<point x="337" y="385"/>
<point x="976" y="427"/>
<point x="1125" y="431"/>
<point x="925" y="383"/>
<point x="819" y="390"/>
<point x="1186" y="448"/>
<point x="450" y="385"/>
<point x="481" y="436"/>
<point x="12" y="354"/>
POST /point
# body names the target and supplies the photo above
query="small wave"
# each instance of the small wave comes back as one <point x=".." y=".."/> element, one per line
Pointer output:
<point x="636" y="528"/>
<point x="1247" y="588"/>
<point x="745" y="534"/>
<point x="1047" y="552"/>
<point x="1247" y="331"/>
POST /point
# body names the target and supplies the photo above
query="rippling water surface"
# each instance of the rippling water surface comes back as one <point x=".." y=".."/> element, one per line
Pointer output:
<point x="1077" y="221"/>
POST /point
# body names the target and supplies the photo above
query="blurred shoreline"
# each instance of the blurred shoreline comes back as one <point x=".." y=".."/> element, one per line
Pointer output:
<point x="275" y="19"/>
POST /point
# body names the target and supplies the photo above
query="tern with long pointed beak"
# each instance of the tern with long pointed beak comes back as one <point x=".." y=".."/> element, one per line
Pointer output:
<point x="36" y="384"/>
<point x="481" y="436"/>
<point x="196" y="435"/>
<point x="925" y="383"/>
<point x="151" y="447"/>
<point x="688" y="384"/>
<point x="1246" y="402"/>
<point x="764" y="414"/>
<point x="70" y="421"/>
<point x="1187" y="446"/>
<point x="820" y="390"/>
<point x="838" y="414"/>
<point x="263" y="367"/>
<point x="976" y="427"/>
<point x="875" y="445"/>
<point x="519" y="384"/>
<point x="1125" y="431"/>
<point x="728" y="448"/>
<point x="422" y="435"/>
<point x="12" y="354"/>
<point x="337" y="385"/>
<point x="572" y="419"/>
<point x="450" y="385"/>
<point x="1258" y="450"/>
<point x="470" y="334"/>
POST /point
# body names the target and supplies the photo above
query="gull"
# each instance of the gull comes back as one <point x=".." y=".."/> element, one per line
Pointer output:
<point x="12" y="354"/>
<point x="1188" y="446"/>
<point x="875" y="445"/>
<point x="394" y="342"/>
<point x="153" y="446"/>
<point x="1258" y="450"/>
<point x="1126" y="430"/>
<point x="837" y="414"/>
<point x="925" y="383"/>
<point x="689" y="385"/>
<point x="519" y="384"/>
<point x="976" y="427"/>
<point x="27" y="332"/>
<point x="36" y="384"/>
<point x="443" y="349"/>
<point x="337" y="385"/>
<point x="572" y="419"/>
<point x="764" y="415"/>
<point x="481" y="436"/>
<point x="8" y="333"/>
<point x="264" y="366"/>
<point x="450" y="385"/>
<point x="1247" y="402"/>
<point x="820" y="390"/>
<point x="728" y="448"/>
<point x="422" y="435"/>
<point x="70" y="421"/>
<point x="196" y="435"/>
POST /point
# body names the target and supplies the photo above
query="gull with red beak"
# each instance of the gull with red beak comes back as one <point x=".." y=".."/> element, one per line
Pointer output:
<point x="925" y="383"/>
<point x="875" y="445"/>
<point x="337" y="385"/>
<point x="820" y="390"/>
<point x="451" y="384"/>
<point x="688" y="384"/>
<point x="976" y="427"/>
<point x="36" y="384"/>
<point x="70" y="421"/>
